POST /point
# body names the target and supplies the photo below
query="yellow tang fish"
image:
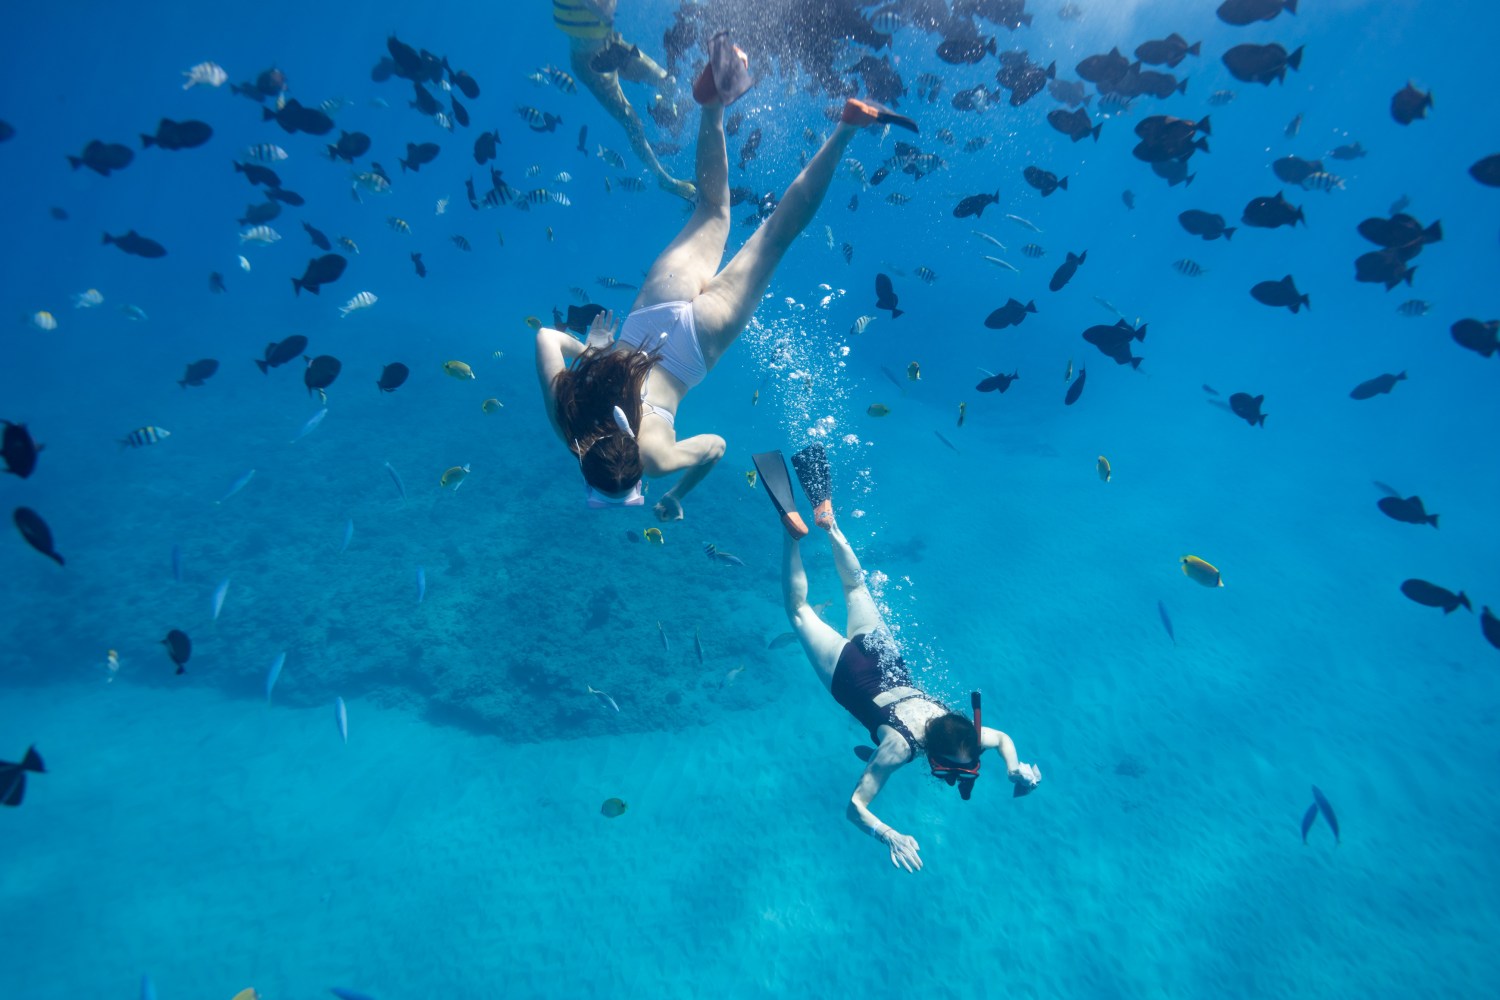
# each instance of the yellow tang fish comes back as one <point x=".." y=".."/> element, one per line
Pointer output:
<point x="1203" y="572"/>
<point x="914" y="372"/>
<point x="247" y="994"/>
<point x="750" y="478"/>
<point x="878" y="410"/>
<point x="1103" y="466"/>
<point x="491" y="405"/>
<point x="454" y="477"/>
<point x="653" y="535"/>
<point x="458" y="369"/>
<point x="533" y="322"/>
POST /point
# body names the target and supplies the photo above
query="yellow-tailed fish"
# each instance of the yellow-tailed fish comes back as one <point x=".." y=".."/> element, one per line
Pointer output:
<point x="914" y="372"/>
<point x="1104" y="470"/>
<point x="454" y="477"/>
<point x="654" y="536"/>
<point x="492" y="405"/>
<point x="458" y="369"/>
<point x="750" y="478"/>
<point x="533" y="322"/>
<point x="1201" y="571"/>
<point x="43" y="320"/>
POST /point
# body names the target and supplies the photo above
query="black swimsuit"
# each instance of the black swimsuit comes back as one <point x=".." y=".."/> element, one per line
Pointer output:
<point x="860" y="678"/>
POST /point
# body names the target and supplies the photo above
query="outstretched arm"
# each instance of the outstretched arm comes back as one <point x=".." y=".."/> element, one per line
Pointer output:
<point x="554" y="349"/>
<point x="886" y="760"/>
<point x="698" y="455"/>
<point x="994" y="739"/>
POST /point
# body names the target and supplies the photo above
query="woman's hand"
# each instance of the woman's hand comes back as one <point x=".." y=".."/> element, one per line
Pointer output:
<point x="668" y="508"/>
<point x="903" y="850"/>
<point x="1028" y="776"/>
<point x="602" y="331"/>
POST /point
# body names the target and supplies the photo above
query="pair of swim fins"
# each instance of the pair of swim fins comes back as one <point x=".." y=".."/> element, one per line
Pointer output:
<point x="727" y="77"/>
<point x="811" y="464"/>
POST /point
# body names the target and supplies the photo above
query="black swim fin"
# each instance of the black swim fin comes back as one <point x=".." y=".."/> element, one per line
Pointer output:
<point x="864" y="753"/>
<point x="729" y="69"/>
<point x="811" y="464"/>
<point x="771" y="466"/>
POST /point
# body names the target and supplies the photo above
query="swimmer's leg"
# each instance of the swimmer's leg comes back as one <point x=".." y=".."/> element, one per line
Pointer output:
<point x="606" y="90"/>
<point x="863" y="615"/>
<point x="729" y="301"/>
<point x="820" y="642"/>
<point x="690" y="260"/>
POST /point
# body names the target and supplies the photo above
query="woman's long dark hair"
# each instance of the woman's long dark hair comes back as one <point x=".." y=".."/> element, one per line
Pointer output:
<point x="587" y="393"/>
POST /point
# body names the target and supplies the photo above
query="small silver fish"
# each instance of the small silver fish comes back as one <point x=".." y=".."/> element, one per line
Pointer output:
<point x="663" y="632"/>
<point x="311" y="425"/>
<point x="396" y="478"/>
<point x="604" y="699"/>
<point x="698" y="646"/>
<point x="989" y="239"/>
<point x="348" y="535"/>
<point x="1005" y="264"/>
<point x="1109" y="306"/>
<point x="421" y="584"/>
<point x="341" y="716"/>
<point x="1024" y="223"/>
<point x="239" y="484"/>
<point x="275" y="673"/>
<point x="219" y="593"/>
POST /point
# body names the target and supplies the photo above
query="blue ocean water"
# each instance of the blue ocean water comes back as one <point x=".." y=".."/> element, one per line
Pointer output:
<point x="188" y="831"/>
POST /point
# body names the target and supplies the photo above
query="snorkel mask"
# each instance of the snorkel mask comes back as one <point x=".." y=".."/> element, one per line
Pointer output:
<point x="634" y="497"/>
<point x="954" y="773"/>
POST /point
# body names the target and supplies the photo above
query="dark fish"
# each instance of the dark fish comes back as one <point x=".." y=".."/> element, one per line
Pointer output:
<point x="945" y="441"/>
<point x="1247" y="408"/>
<point x="882" y="82"/>
<point x="392" y="377"/>
<point x="465" y="83"/>
<point x="1295" y="170"/>
<point x="1076" y="389"/>
<point x="320" y="271"/>
<point x="1432" y="596"/>
<point x="1167" y="51"/>
<point x="733" y="122"/>
<point x="1128" y="197"/>
<point x="996" y="383"/>
<point x="1400" y="231"/>
<point x="36" y="532"/>
<point x="1268" y="213"/>
<point x="1308" y="818"/>
<point x="583" y="138"/>
<point x="286" y="197"/>
<point x="278" y="354"/>
<point x="750" y="147"/>
<point x="1489" y="625"/>
<point x="1353" y="151"/>
<point x="484" y="146"/>
<point x="879" y="175"/>
<point x="198" y="372"/>
<point x="1280" y="293"/>
<point x="1210" y="389"/>
<point x="269" y="83"/>
<point x="854" y="203"/>
<point x="423" y="101"/>
<point x="1074" y="124"/>
<point x="1261" y="63"/>
<point x="59" y="213"/>
<point x="216" y="283"/>
<point x="1174" y="172"/>
<point x="13" y="776"/>
<point x="416" y="260"/>
<point x="1408" y="104"/>
<point x="257" y="174"/>
<point x="1070" y="92"/>
<point x="416" y="155"/>
<point x="1408" y="511"/>
<point x="18" y="450"/>
<point x="1293" y="127"/>
<point x="178" y="135"/>
<point x="318" y="238"/>
<point x="976" y="98"/>
<point x="258" y="214"/>
<point x="1114" y="341"/>
<point x="460" y="113"/>
<point x="612" y="56"/>
<point x="293" y="117"/>
<point x="103" y="157"/>
<point x="975" y="204"/>
<point x="1205" y="224"/>
<point x="1376" y="386"/>
<point x="1010" y="314"/>
<point x="965" y="51"/>
<point x="321" y="372"/>
<point x="1384" y="267"/>
<point x="1104" y="70"/>
<point x="1044" y="180"/>
<point x="1318" y="797"/>
<point x="136" y="245"/>
<point x="1066" y="270"/>
<point x="1166" y="621"/>
<point x="885" y="295"/>
<point x="1242" y="12"/>
<point x="179" y="648"/>
<point x="349" y="146"/>
<point x="1156" y="84"/>
<point x="1166" y="138"/>
<point x="1487" y="171"/>
<point x="7" y="131"/>
<point x="1483" y="338"/>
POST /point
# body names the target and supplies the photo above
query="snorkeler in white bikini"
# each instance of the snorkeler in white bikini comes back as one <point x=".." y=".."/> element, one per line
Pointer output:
<point x="614" y="402"/>
<point x="866" y="675"/>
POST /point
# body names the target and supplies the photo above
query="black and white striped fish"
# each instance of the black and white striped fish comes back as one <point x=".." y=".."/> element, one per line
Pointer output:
<point x="142" y="436"/>
<point x="1033" y="251"/>
<point x="1188" y="267"/>
<point x="265" y="152"/>
<point x="461" y="243"/>
<point x="1414" y="307"/>
<point x="1322" y="181"/>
